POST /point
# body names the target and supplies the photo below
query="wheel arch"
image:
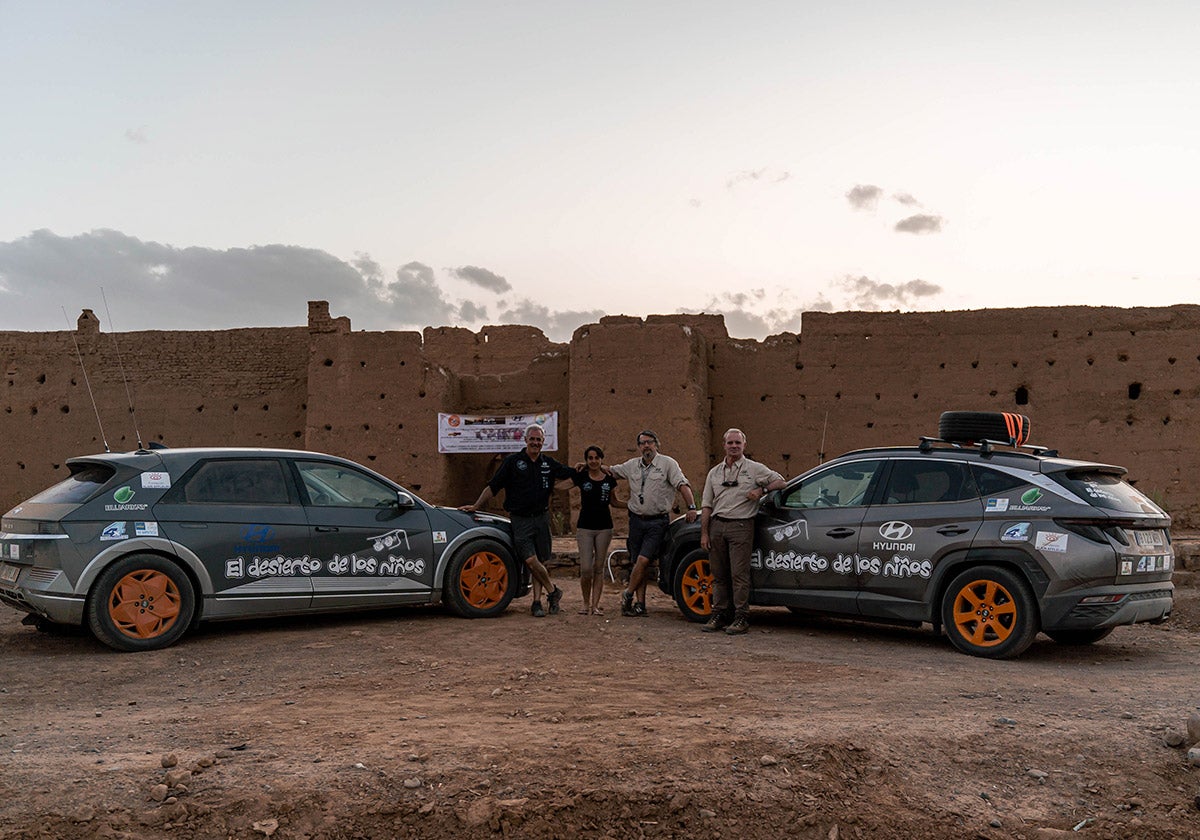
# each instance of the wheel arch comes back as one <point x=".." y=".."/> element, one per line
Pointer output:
<point x="178" y="554"/>
<point x="465" y="538"/>
<point x="1014" y="560"/>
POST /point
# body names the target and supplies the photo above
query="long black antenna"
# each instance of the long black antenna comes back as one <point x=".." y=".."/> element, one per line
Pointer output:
<point x="85" y="378"/>
<point x="121" y="365"/>
<point x="821" y="454"/>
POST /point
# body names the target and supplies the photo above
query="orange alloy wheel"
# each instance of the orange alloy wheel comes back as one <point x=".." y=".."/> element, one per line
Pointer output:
<point x="484" y="580"/>
<point x="985" y="613"/>
<point x="144" y="604"/>
<point x="696" y="586"/>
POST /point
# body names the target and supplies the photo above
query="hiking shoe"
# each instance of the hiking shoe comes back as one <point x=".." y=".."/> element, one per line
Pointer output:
<point x="536" y="610"/>
<point x="553" y="598"/>
<point x="740" y="625"/>
<point x="627" y="603"/>
<point x="717" y="621"/>
<point x="639" y="609"/>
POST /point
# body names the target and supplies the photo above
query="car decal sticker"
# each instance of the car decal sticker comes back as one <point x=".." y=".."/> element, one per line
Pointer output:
<point x="1015" y="532"/>
<point x="114" y="531"/>
<point x="155" y="481"/>
<point x="145" y="529"/>
<point x="1051" y="541"/>
<point x="842" y="564"/>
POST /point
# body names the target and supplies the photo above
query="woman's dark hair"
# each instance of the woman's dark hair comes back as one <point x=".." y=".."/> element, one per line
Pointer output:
<point x="599" y="452"/>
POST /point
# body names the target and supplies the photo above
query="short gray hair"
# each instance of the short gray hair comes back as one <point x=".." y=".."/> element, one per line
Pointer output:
<point x="531" y="427"/>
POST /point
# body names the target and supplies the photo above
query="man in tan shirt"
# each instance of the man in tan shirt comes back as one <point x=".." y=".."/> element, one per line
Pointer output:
<point x="653" y="481"/>
<point x="732" y="492"/>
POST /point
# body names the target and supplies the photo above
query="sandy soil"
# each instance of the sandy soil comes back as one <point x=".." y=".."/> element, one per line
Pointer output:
<point x="416" y="724"/>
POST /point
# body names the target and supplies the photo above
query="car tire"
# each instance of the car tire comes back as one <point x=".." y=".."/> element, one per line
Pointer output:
<point x="989" y="611"/>
<point x="1079" y="637"/>
<point x="480" y="580"/>
<point x="141" y="602"/>
<point x="970" y="426"/>
<point x="692" y="587"/>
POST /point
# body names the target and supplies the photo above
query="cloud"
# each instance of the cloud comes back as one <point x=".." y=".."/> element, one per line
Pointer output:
<point x="920" y="223"/>
<point x="766" y="175"/>
<point x="864" y="196"/>
<point x="137" y="135"/>
<point x="869" y="294"/>
<point x="749" y="314"/>
<point x="472" y="312"/>
<point x="482" y="277"/>
<point x="558" y="326"/>
<point x="906" y="199"/>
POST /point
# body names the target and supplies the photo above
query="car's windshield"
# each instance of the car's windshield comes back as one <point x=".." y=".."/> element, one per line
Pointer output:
<point x="1108" y="491"/>
<point x="80" y="487"/>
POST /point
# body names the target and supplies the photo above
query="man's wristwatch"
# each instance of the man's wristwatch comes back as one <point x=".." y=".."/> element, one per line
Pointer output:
<point x="691" y="507"/>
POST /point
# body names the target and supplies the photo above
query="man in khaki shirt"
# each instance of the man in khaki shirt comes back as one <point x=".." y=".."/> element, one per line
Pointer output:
<point x="732" y="492"/>
<point x="653" y="480"/>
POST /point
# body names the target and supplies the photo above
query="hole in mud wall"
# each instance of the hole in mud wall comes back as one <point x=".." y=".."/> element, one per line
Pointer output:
<point x="20" y="465"/>
<point x="1091" y="361"/>
<point x="871" y="425"/>
<point x="399" y="425"/>
<point x="66" y="409"/>
<point x="1050" y="363"/>
<point x="33" y="411"/>
<point x="200" y="409"/>
<point x="1176" y="392"/>
<point x="1022" y="396"/>
<point x="1135" y="390"/>
<point x="991" y="393"/>
<point x="235" y="407"/>
<point x="1124" y="357"/>
<point x="383" y="396"/>
<point x="1171" y="360"/>
<point x="297" y="434"/>
<point x="362" y="364"/>
<point x="1166" y="420"/>
<point x="328" y="427"/>
<point x="915" y="396"/>
<point x="370" y="457"/>
<point x="366" y="427"/>
<point x="942" y="366"/>
<point x="1054" y="334"/>
<point x="41" y="380"/>
<point x="328" y="363"/>
<point x="974" y="364"/>
<point x="266" y="407"/>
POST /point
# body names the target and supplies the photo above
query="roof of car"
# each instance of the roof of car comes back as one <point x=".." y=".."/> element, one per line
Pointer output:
<point x="1034" y="461"/>
<point x="141" y="458"/>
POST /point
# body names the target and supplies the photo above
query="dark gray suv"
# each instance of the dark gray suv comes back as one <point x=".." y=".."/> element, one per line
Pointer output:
<point x="972" y="531"/>
<point x="141" y="546"/>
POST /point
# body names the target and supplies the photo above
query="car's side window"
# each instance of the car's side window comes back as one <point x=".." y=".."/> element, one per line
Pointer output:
<point x="923" y="481"/>
<point x="994" y="482"/>
<point x="237" y="482"/>
<point x="332" y="485"/>
<point x="845" y="485"/>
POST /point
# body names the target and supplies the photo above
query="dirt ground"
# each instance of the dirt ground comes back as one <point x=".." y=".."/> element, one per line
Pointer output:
<point x="416" y="724"/>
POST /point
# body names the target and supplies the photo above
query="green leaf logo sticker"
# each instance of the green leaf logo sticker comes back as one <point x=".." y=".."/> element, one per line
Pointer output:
<point x="1029" y="497"/>
<point x="123" y="495"/>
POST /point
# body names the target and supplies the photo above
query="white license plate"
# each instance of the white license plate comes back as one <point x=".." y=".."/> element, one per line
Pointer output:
<point x="8" y="574"/>
<point x="1148" y="539"/>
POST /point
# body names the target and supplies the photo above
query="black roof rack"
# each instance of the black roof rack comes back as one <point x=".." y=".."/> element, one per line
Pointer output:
<point x="985" y="447"/>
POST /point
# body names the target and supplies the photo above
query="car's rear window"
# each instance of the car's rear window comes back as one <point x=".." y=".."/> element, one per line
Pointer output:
<point x="81" y="486"/>
<point x="1105" y="490"/>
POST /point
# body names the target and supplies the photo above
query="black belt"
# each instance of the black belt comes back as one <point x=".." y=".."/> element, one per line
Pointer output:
<point x="649" y="515"/>
<point x="729" y="519"/>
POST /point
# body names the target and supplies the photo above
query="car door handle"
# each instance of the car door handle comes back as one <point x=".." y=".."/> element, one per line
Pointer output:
<point x="839" y="533"/>
<point x="325" y="528"/>
<point x="193" y="524"/>
<point x="952" y="530"/>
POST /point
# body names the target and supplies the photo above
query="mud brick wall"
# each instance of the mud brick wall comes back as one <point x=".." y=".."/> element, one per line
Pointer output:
<point x="241" y="387"/>
<point x="1116" y="385"/>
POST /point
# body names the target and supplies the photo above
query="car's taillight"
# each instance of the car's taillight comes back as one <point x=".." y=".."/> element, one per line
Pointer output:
<point x="1094" y="529"/>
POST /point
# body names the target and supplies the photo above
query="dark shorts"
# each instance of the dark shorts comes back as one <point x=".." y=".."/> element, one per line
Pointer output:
<point x="531" y="536"/>
<point x="646" y="535"/>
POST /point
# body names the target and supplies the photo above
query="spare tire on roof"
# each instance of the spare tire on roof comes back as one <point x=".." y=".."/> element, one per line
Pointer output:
<point x="969" y="426"/>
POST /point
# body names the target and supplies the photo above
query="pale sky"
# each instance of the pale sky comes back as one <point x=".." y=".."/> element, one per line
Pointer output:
<point x="217" y="164"/>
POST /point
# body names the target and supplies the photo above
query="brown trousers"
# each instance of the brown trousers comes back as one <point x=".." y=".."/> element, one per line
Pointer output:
<point x="730" y="542"/>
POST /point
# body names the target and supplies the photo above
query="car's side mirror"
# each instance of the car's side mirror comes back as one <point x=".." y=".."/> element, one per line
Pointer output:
<point x="405" y="501"/>
<point x="771" y="500"/>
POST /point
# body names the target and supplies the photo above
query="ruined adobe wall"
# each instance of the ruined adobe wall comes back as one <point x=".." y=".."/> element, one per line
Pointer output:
<point x="242" y="387"/>
<point x="1115" y="385"/>
<point x="1118" y="385"/>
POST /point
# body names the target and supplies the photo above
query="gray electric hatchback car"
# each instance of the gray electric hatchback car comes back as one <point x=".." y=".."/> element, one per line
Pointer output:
<point x="972" y="531"/>
<point x="141" y="546"/>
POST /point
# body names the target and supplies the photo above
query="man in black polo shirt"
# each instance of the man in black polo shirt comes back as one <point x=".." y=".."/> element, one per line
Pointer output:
<point x="527" y="479"/>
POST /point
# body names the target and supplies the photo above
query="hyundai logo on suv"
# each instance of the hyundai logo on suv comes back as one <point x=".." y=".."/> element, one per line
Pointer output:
<point x="895" y="531"/>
